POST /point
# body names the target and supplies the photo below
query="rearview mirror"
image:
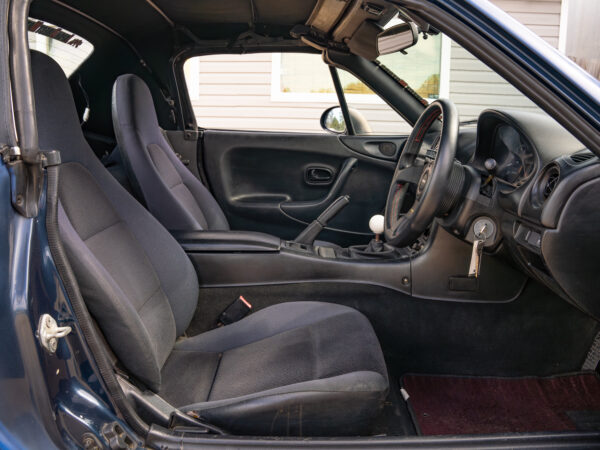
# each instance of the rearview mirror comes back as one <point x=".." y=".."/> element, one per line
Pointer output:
<point x="397" y="38"/>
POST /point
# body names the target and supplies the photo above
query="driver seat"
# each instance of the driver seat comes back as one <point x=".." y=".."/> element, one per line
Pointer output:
<point x="296" y="369"/>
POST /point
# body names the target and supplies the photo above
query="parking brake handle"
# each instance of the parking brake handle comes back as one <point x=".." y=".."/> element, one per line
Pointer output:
<point x="310" y="233"/>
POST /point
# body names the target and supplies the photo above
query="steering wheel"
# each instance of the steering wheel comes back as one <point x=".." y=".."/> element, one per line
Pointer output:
<point x="437" y="178"/>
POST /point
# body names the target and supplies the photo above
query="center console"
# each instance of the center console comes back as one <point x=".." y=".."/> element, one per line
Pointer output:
<point x="230" y="258"/>
<point x="244" y="258"/>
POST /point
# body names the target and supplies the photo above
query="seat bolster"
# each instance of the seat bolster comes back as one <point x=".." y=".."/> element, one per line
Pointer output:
<point x="212" y="212"/>
<point x="121" y="324"/>
<point x="340" y="405"/>
<point x="262" y="324"/>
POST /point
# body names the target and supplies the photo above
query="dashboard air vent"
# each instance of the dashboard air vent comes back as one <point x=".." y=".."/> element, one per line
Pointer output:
<point x="549" y="182"/>
<point x="545" y="185"/>
<point x="579" y="158"/>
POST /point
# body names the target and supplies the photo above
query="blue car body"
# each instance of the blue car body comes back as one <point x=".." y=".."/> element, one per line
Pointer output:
<point x="46" y="399"/>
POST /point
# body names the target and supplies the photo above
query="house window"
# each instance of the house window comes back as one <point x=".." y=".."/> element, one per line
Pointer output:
<point x="67" y="49"/>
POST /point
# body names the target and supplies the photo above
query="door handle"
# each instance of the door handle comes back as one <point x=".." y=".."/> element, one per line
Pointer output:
<point x="306" y="211"/>
<point x="317" y="175"/>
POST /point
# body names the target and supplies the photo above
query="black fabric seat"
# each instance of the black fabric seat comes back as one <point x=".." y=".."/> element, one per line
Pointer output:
<point x="171" y="193"/>
<point x="300" y="368"/>
<point x="158" y="178"/>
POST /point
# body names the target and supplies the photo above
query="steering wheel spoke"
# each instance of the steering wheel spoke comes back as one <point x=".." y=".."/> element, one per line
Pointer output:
<point x="410" y="174"/>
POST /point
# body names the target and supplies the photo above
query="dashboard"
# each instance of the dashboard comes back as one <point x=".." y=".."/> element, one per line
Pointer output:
<point x="541" y="188"/>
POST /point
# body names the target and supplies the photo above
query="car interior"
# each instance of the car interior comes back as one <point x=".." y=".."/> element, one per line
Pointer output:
<point x="440" y="281"/>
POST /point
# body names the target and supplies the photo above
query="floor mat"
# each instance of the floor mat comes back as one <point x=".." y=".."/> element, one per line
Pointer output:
<point x="444" y="405"/>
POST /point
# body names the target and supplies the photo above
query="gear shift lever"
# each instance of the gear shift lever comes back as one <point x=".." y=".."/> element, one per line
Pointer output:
<point x="376" y="248"/>
<point x="376" y="225"/>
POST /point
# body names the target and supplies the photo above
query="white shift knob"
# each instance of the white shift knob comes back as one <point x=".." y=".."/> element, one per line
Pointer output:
<point x="376" y="224"/>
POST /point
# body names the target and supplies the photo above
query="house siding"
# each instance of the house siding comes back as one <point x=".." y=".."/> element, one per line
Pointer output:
<point x="234" y="92"/>
<point x="474" y="86"/>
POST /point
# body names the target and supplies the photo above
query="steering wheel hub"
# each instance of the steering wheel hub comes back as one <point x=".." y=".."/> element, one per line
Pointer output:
<point x="423" y="181"/>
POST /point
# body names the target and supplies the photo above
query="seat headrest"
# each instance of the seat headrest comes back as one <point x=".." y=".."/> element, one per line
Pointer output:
<point x="132" y="105"/>
<point x="58" y="123"/>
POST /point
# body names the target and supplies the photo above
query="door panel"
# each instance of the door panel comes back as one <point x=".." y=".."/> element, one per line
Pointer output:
<point x="279" y="182"/>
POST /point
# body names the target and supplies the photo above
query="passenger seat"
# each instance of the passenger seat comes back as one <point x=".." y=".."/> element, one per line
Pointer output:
<point x="156" y="175"/>
<point x="158" y="178"/>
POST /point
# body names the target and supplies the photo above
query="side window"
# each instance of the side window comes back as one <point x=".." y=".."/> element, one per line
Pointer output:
<point x="67" y="49"/>
<point x="285" y="92"/>
<point x="260" y="91"/>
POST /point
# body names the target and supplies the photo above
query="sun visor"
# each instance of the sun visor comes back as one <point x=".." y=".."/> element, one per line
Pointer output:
<point x="327" y="14"/>
<point x="358" y="12"/>
<point x="364" y="40"/>
<point x="352" y="25"/>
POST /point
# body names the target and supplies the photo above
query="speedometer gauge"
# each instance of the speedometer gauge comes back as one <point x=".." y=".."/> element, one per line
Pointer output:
<point x="515" y="158"/>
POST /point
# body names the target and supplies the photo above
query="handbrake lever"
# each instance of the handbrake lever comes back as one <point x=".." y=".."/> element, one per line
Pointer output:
<point x="310" y="233"/>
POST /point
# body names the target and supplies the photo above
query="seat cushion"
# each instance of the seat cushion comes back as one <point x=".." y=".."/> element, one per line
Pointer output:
<point x="301" y="368"/>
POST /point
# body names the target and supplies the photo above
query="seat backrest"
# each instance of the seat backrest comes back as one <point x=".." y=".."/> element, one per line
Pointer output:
<point x="135" y="278"/>
<point x="171" y="192"/>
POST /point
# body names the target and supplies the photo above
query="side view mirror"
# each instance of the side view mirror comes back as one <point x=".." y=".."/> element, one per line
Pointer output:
<point x="397" y="38"/>
<point x="332" y="120"/>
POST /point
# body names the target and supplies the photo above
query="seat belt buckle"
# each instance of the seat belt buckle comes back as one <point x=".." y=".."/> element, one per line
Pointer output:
<point x="239" y="309"/>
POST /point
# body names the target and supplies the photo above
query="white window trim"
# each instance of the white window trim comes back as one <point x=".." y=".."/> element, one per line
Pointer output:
<point x="192" y="77"/>
<point x="562" y="26"/>
<point x="370" y="99"/>
<point x="445" y="66"/>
